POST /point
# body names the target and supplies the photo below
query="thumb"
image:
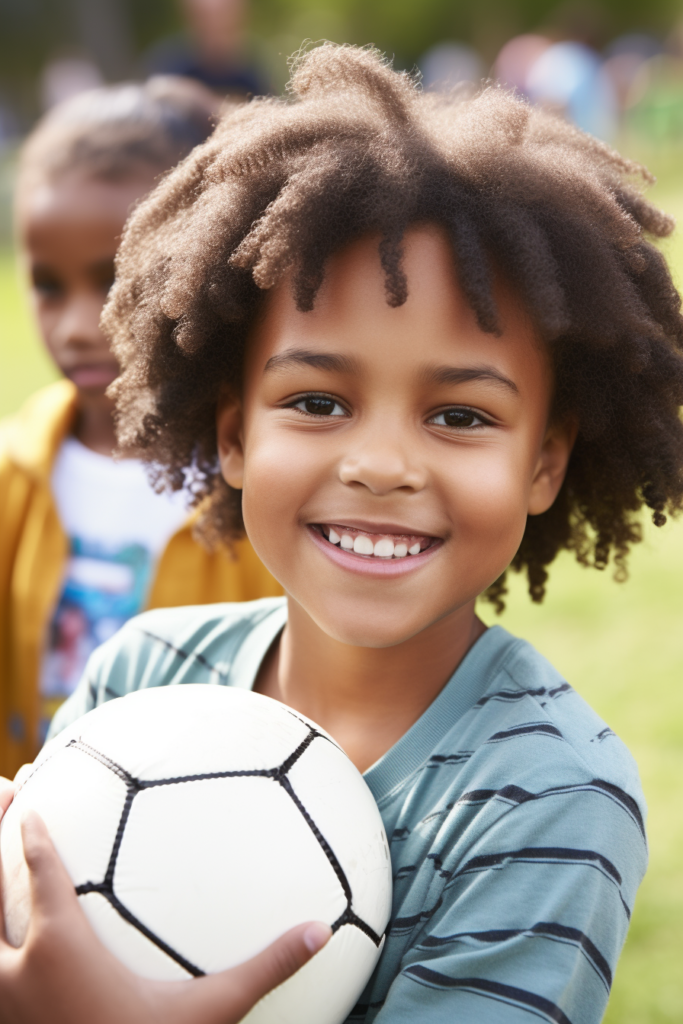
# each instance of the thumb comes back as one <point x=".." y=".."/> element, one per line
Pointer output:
<point x="228" y="996"/>
<point x="280" y="960"/>
<point x="52" y="891"/>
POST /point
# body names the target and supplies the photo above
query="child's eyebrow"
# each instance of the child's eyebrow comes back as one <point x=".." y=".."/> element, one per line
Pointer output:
<point x="464" y="374"/>
<point x="434" y="375"/>
<point x="319" y="360"/>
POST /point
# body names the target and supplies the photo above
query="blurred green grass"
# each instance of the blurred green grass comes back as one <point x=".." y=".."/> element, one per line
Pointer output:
<point x="620" y="645"/>
<point x="24" y="365"/>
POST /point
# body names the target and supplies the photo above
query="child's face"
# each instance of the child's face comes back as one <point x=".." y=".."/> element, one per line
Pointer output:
<point x="69" y="230"/>
<point x="410" y="428"/>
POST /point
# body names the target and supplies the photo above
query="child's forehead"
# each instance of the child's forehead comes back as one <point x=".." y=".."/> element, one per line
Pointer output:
<point x="56" y="204"/>
<point x="354" y="288"/>
<point x="352" y="316"/>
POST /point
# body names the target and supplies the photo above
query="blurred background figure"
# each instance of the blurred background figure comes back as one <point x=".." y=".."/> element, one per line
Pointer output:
<point x="213" y="49"/>
<point x="624" y="59"/>
<point x="516" y="59"/>
<point x="65" y="78"/>
<point x="449" y="64"/>
<point x="569" y="79"/>
<point x="85" y="542"/>
<point x="617" y="67"/>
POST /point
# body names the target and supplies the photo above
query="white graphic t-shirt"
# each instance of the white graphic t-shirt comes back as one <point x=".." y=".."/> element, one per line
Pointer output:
<point x="117" y="528"/>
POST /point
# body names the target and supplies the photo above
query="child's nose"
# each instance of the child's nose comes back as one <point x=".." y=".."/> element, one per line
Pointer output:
<point x="79" y="325"/>
<point x="382" y="465"/>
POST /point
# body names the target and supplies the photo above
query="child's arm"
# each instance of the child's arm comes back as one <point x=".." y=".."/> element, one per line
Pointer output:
<point x="524" y="921"/>
<point x="64" y="975"/>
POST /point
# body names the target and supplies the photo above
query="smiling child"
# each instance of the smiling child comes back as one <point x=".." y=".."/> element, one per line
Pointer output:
<point x="407" y="340"/>
<point x="85" y="543"/>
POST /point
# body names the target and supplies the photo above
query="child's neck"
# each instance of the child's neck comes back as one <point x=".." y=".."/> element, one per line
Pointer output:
<point x="94" y="423"/>
<point x="366" y="698"/>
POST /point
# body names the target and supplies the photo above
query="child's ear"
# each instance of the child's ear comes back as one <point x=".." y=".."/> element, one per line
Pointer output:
<point x="229" y="441"/>
<point x="551" y="467"/>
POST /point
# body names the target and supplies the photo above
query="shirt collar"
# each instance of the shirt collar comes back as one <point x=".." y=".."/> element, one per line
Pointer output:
<point x="468" y="683"/>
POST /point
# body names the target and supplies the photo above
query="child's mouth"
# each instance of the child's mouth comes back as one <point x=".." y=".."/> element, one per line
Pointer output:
<point x="385" y="546"/>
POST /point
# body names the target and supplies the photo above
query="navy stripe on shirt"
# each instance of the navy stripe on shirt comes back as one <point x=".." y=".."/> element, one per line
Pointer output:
<point x="513" y="696"/>
<point x="539" y="1005"/>
<point x="545" y="929"/>
<point x="516" y="795"/>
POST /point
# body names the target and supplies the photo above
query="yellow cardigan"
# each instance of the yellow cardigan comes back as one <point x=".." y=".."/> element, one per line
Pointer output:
<point x="33" y="551"/>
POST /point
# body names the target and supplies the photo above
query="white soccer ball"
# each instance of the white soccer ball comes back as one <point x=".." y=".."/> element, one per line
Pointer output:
<point x="198" y="824"/>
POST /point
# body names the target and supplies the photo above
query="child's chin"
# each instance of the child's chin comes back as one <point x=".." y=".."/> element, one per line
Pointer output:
<point x="368" y="629"/>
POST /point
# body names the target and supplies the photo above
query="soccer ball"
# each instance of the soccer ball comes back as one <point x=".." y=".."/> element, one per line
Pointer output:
<point x="199" y="823"/>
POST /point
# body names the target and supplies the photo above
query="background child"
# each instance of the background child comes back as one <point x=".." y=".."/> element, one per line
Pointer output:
<point x="373" y="314"/>
<point x="84" y="541"/>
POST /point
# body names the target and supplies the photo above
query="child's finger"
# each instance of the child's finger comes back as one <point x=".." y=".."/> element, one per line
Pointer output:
<point x="281" y="959"/>
<point x="52" y="891"/>
<point x="226" y="997"/>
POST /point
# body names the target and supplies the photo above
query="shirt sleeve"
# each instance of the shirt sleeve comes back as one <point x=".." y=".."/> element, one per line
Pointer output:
<point x="529" y="923"/>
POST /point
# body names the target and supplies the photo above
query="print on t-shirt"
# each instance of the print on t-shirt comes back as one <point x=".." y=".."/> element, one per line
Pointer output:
<point x="104" y="587"/>
<point x="118" y="528"/>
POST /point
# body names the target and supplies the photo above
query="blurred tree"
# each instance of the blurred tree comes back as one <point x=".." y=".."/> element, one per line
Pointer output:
<point x="29" y="31"/>
<point x="113" y="33"/>
<point x="406" y="29"/>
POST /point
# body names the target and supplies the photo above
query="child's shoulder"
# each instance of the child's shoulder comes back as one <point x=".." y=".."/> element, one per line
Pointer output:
<point x="29" y="436"/>
<point x="528" y="698"/>
<point x="510" y="724"/>
<point x="197" y="643"/>
<point x="211" y="643"/>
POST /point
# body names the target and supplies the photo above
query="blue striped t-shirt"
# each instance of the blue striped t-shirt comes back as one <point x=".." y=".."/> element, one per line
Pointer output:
<point x="514" y="814"/>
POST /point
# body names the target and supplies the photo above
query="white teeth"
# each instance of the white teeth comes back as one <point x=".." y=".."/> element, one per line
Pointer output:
<point x="362" y="545"/>
<point x="384" y="548"/>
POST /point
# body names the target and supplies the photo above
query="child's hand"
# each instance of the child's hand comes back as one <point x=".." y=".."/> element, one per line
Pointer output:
<point x="6" y="794"/>
<point x="64" y="975"/>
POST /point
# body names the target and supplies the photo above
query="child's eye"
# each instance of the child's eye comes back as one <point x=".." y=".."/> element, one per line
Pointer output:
<point x="457" y="417"/>
<point x="103" y="276"/>
<point x="319" y="405"/>
<point x="48" y="288"/>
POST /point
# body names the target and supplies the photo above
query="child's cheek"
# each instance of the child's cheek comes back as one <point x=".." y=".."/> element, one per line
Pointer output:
<point x="487" y="500"/>
<point x="47" y="318"/>
<point x="282" y="474"/>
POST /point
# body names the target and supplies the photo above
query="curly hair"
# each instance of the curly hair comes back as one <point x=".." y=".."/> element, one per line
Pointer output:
<point x="358" y="148"/>
<point x="117" y="131"/>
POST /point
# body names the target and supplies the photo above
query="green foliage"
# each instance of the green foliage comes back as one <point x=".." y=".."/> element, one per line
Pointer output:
<point x="404" y="29"/>
<point x="35" y="31"/>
